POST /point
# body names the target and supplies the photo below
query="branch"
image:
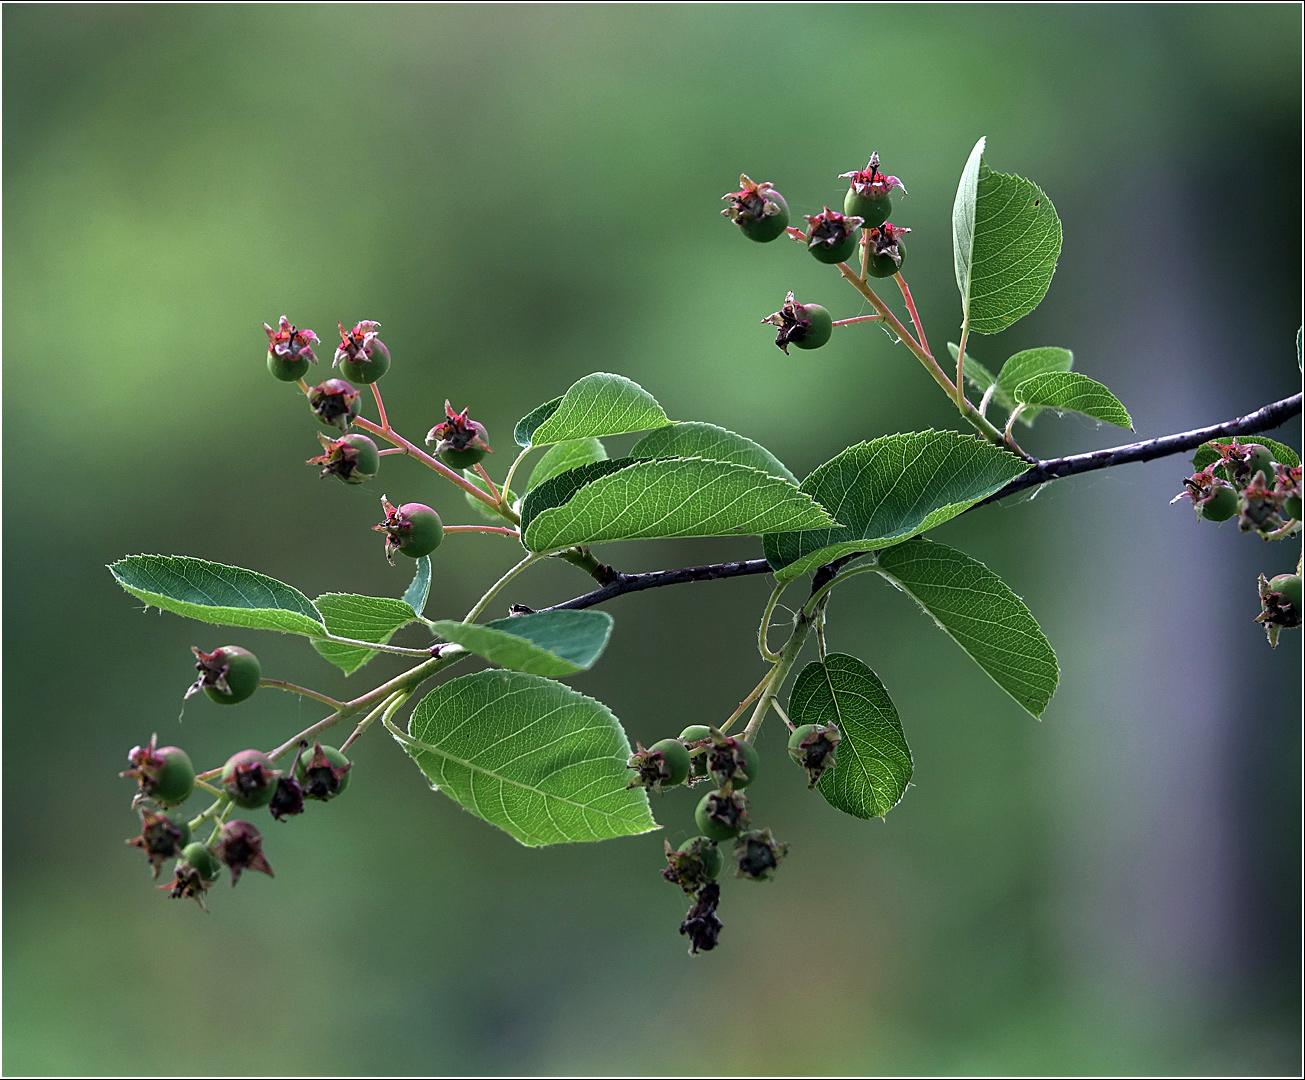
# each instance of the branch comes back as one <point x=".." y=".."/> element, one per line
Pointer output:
<point x="1042" y="472"/>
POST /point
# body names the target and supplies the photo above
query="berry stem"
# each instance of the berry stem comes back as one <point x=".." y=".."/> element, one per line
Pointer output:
<point x="395" y="699"/>
<point x="858" y="319"/>
<point x="915" y="315"/>
<point x="392" y="450"/>
<point x="483" y="602"/>
<point x="280" y="684"/>
<point x="507" y="484"/>
<point x="208" y="787"/>
<point x="482" y="529"/>
<point x="763" y="631"/>
<point x="303" y="386"/>
<point x="774" y="704"/>
<point x="480" y="471"/>
<point x="801" y="628"/>
<point x="895" y="324"/>
<point x="380" y="406"/>
<point x="752" y="696"/>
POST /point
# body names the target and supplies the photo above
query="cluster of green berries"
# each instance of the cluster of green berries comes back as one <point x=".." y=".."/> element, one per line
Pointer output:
<point x="761" y="213"/>
<point x="1246" y="483"/>
<point x="249" y="780"/>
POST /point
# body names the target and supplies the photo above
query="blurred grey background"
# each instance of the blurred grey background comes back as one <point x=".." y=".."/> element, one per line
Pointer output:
<point x="522" y="195"/>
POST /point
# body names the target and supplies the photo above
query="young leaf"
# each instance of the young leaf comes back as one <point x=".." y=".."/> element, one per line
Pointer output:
<point x="712" y="442"/>
<point x="976" y="374"/>
<point x="599" y="404"/>
<point x="888" y="490"/>
<point x="1068" y="391"/>
<point x="558" y="489"/>
<point x="1206" y="455"/>
<point x="1023" y="365"/>
<point x="542" y="762"/>
<point x="217" y="594"/>
<point x="363" y="618"/>
<point x="550" y="643"/>
<point x="873" y="763"/>
<point x="563" y="456"/>
<point x="1006" y="239"/>
<point x="977" y="611"/>
<point x="416" y="593"/>
<point x="670" y="498"/>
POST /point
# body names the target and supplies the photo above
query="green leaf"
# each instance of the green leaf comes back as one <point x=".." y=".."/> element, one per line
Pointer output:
<point x="1068" y="391"/>
<point x="599" y="404"/>
<point x="217" y="594"/>
<point x="363" y="618"/>
<point x="478" y="506"/>
<point x="709" y="441"/>
<point x="559" y="489"/>
<point x="888" y="490"/>
<point x="975" y="373"/>
<point x="416" y="593"/>
<point x="564" y="456"/>
<point x="1006" y="240"/>
<point x="873" y="763"/>
<point x="542" y="762"/>
<point x="1022" y="365"/>
<point x="1282" y="453"/>
<point x="978" y="612"/>
<point x="670" y="498"/>
<point x="551" y="643"/>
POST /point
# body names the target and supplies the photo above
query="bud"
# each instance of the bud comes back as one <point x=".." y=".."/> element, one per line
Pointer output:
<point x="758" y="209"/>
<point x="701" y="924"/>
<point x="160" y="838"/>
<point x="808" y="326"/>
<point x="813" y="747"/>
<point x="334" y="403"/>
<point x="240" y="846"/>
<point x="758" y="855"/>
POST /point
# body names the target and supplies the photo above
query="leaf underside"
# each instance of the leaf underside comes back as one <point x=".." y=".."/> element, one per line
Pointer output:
<point x="217" y="594"/>
<point x="543" y="763"/>
<point x="549" y="643"/>
<point x="416" y="593"/>
<point x="888" y="490"/>
<point x="872" y="765"/>
<point x="980" y="613"/>
<point x="363" y="618"/>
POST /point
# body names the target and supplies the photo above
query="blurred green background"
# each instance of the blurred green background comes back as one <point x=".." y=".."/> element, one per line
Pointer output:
<point x="524" y="195"/>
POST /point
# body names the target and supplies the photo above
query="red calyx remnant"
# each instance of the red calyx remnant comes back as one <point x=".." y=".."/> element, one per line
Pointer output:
<point x="883" y="241"/>
<point x="334" y="403"/>
<point x="187" y="882"/>
<point x="357" y="345"/>
<point x="338" y="459"/>
<point x="1260" y="505"/>
<point x="830" y="228"/>
<point x="816" y="752"/>
<point x="751" y="203"/>
<point x="869" y="182"/>
<point x="758" y="855"/>
<point x="159" y="838"/>
<point x="459" y="432"/>
<point x="288" y="342"/>
<point x="793" y="322"/>
<point x="322" y="779"/>
<point x="240" y="846"/>
<point x="687" y="869"/>
<point x="287" y="800"/>
<point x="147" y="764"/>
<point x="701" y="924"/>
<point x="649" y="766"/>
<point x="212" y="668"/>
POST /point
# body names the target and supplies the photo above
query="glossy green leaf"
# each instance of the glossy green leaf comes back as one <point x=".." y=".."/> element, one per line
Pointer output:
<point x="363" y="618"/>
<point x="543" y="763"/>
<point x="977" y="610"/>
<point x="559" y="489"/>
<point x="872" y="766"/>
<point x="564" y="456"/>
<point x="550" y="643"/>
<point x="714" y="443"/>
<point x="1282" y="453"/>
<point x="1022" y="365"/>
<point x="597" y="405"/>
<point x="416" y="593"/>
<point x="217" y="594"/>
<point x="1006" y="239"/>
<point x="1068" y="391"/>
<point x="670" y="498"/>
<point x="888" y="490"/>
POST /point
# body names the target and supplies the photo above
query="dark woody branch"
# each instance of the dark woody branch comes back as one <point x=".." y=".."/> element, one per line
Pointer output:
<point x="1042" y="472"/>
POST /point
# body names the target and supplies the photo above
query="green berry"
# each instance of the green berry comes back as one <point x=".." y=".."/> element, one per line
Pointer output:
<point x="413" y="529"/>
<point x="334" y="403"/>
<point x="1221" y="504"/>
<point x="733" y="761"/>
<point x="460" y="442"/>
<point x="697" y="763"/>
<point x="200" y="858"/>
<point x="361" y="355"/>
<point x="249" y="777"/>
<point x="324" y="773"/>
<point x="709" y="851"/>
<point x="164" y="773"/>
<point x="694" y="864"/>
<point x="1292" y="507"/>
<point x="758" y="210"/>
<point x="1289" y="587"/>
<point x="351" y="459"/>
<point x="1260" y="461"/>
<point x="161" y="837"/>
<point x="832" y="238"/>
<point x="228" y="675"/>
<point x="820" y="328"/>
<point x="722" y="815"/>
<point x="808" y="326"/>
<point x="461" y="459"/>
<point x="874" y="209"/>
<point x="695" y="732"/>
<point x="366" y="371"/>
<point x="885" y="266"/>
<point x="868" y="193"/>
<point x="813" y="747"/>
<point x="287" y="368"/>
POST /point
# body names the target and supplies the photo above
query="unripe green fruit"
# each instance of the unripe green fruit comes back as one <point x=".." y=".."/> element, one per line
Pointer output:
<point x="713" y="861"/>
<point x="722" y="763"/>
<point x="1221" y="504"/>
<point x="803" y="732"/>
<point x="767" y="228"/>
<point x="242" y="675"/>
<point x="323" y="782"/>
<point x="181" y="823"/>
<point x="875" y="211"/>
<point x="838" y="253"/>
<point x="884" y="266"/>
<point x="287" y="369"/>
<point x="366" y="371"/>
<point x="694" y="732"/>
<point x="818" y="332"/>
<point x="1289" y="585"/>
<point x="367" y="462"/>
<point x="201" y="859"/>
<point x="426" y="532"/>
<point x="1292" y="507"/>
<point x="675" y="759"/>
<point x="721" y="815"/>
<point x="175" y="778"/>
<point x="460" y="459"/>
<point x="1261" y="461"/>
<point x="249" y="777"/>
